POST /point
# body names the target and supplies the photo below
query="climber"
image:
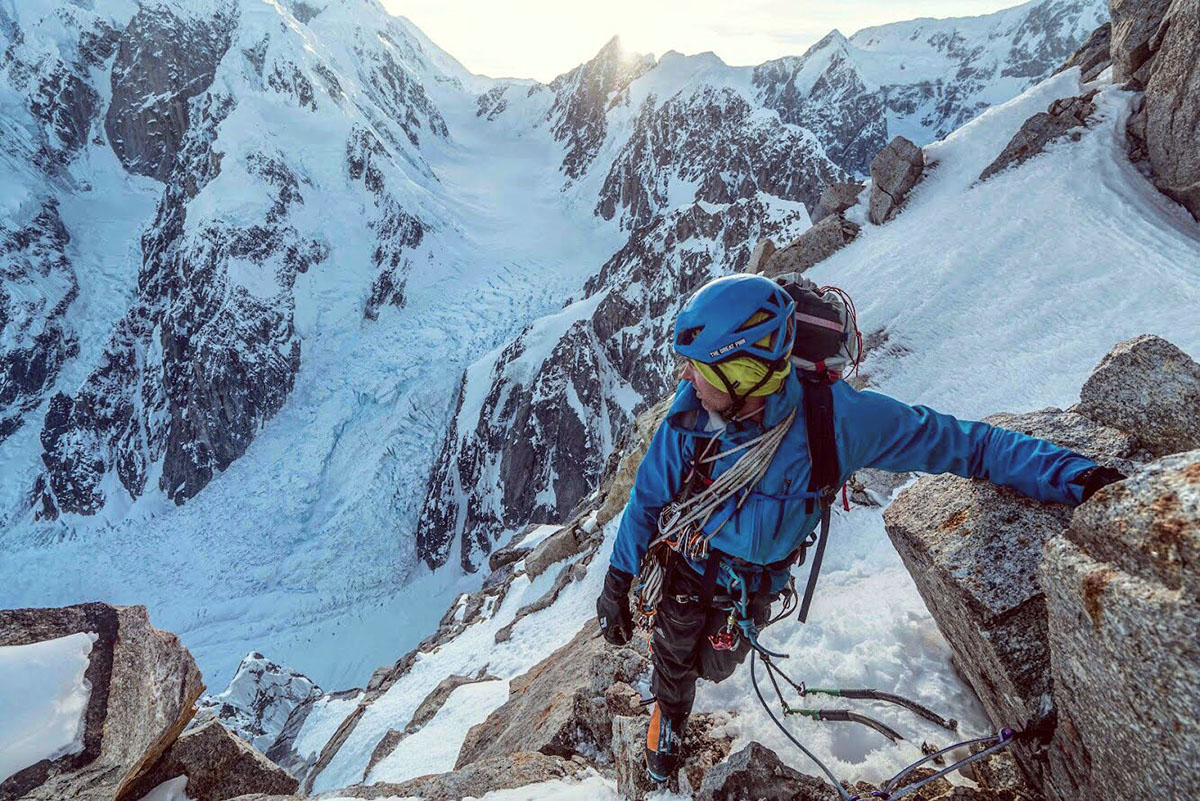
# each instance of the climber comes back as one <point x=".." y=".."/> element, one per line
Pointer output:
<point x="698" y="540"/>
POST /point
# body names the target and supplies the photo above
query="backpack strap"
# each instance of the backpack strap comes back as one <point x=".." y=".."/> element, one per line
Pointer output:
<point x="825" y="471"/>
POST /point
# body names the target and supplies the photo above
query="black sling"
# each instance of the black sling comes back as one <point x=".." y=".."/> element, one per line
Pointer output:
<point x="822" y="452"/>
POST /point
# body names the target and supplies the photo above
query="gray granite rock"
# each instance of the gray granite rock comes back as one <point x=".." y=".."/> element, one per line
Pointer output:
<point x="144" y="685"/>
<point x="1134" y="23"/>
<point x="562" y="544"/>
<point x="163" y="61"/>
<point x="1149" y="388"/>
<point x="836" y="198"/>
<point x="760" y="255"/>
<point x="974" y="550"/>
<point x="894" y="172"/>
<point x="1173" y="106"/>
<point x="550" y="708"/>
<point x="218" y="765"/>
<point x="814" y="246"/>
<point x="756" y="773"/>
<point x="700" y="747"/>
<point x="514" y="551"/>
<point x="871" y="487"/>
<point x="1094" y="56"/>
<point x="1062" y="119"/>
<point x="1123" y="596"/>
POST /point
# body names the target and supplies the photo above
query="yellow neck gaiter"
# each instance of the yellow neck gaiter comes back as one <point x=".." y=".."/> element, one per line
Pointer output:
<point x="744" y="372"/>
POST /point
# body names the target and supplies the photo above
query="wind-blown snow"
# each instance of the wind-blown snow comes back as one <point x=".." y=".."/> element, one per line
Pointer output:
<point x="43" y="700"/>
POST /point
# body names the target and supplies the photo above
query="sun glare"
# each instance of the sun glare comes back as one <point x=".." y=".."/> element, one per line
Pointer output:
<point x="542" y="39"/>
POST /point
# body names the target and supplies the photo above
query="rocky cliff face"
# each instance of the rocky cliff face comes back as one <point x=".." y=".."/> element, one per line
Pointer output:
<point x="1050" y="613"/>
<point x="208" y="349"/>
<point x="733" y="155"/>
<point x="164" y="58"/>
<point x="37" y="287"/>
<point x="1153" y="49"/>
<point x="579" y="116"/>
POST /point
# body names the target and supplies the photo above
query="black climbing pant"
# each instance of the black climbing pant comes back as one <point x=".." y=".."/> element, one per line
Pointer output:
<point x="682" y="649"/>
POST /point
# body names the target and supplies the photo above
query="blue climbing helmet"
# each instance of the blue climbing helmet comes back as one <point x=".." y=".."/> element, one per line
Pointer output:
<point x="714" y="324"/>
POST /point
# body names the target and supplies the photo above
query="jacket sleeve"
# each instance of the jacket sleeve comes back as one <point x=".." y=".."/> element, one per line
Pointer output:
<point x="658" y="480"/>
<point x="898" y="437"/>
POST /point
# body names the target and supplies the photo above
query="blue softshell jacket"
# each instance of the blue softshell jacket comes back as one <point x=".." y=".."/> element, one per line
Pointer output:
<point x="871" y="429"/>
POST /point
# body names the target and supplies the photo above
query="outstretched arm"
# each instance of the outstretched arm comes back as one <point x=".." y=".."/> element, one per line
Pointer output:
<point x="899" y="437"/>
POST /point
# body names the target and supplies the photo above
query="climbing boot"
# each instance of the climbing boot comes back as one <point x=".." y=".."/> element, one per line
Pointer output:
<point x="663" y="741"/>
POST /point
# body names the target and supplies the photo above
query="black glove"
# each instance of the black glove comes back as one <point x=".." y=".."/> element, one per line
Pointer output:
<point x="612" y="607"/>
<point x="1094" y="478"/>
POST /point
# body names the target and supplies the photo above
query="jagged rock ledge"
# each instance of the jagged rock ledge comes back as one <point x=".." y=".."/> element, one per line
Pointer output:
<point x="1053" y="614"/>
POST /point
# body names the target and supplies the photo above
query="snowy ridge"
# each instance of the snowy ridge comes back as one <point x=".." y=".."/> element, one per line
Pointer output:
<point x="920" y="79"/>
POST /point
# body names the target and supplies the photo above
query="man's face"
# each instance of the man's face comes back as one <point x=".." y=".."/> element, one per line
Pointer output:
<point x="711" y="398"/>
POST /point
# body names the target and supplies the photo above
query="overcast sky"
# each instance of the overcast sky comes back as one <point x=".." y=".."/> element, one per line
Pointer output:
<point x="544" y="38"/>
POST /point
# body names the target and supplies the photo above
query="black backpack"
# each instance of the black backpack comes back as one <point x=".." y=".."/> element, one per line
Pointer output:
<point x="827" y="346"/>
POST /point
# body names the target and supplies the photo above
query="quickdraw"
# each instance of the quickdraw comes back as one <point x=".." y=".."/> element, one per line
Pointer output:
<point x="892" y="788"/>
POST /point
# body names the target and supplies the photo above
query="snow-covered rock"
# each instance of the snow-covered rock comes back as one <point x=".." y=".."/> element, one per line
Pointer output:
<point x="308" y="729"/>
<point x="43" y="700"/>
<point x="1041" y="129"/>
<point x="259" y="700"/>
<point x="561" y="706"/>
<point x="813" y="246"/>
<point x="920" y="79"/>
<point x="836" y="198"/>
<point x="142" y="684"/>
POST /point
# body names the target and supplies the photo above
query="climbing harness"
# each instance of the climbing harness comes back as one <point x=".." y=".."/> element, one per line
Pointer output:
<point x="681" y="523"/>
